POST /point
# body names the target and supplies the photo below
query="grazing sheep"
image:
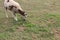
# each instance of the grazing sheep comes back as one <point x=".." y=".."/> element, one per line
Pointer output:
<point x="15" y="8"/>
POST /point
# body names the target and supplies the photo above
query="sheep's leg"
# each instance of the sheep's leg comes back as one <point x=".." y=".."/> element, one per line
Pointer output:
<point x="6" y="12"/>
<point x="14" y="15"/>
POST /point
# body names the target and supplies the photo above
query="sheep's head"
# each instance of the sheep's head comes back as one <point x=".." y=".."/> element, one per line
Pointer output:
<point x="22" y="13"/>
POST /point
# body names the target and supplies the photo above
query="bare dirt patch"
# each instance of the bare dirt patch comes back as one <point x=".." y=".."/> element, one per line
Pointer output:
<point x="56" y="34"/>
<point x="21" y="28"/>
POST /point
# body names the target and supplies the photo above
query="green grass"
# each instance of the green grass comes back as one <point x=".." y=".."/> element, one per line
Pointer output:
<point x="42" y="23"/>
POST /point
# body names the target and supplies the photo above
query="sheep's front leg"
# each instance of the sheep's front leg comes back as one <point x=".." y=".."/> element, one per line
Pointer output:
<point x="14" y="15"/>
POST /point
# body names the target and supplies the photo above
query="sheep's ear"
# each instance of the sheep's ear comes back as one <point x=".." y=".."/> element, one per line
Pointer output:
<point x="21" y="12"/>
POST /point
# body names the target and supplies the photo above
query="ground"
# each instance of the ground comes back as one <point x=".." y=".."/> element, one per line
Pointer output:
<point x="42" y="23"/>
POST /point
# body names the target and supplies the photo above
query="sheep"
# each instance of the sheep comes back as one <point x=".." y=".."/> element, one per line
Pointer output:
<point x="14" y="7"/>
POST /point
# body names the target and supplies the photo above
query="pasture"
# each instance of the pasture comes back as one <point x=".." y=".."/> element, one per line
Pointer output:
<point x="42" y="23"/>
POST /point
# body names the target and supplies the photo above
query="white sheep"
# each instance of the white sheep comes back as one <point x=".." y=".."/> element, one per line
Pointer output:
<point x="15" y="8"/>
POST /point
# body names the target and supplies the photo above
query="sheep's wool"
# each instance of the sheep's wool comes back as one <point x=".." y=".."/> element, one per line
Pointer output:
<point x="12" y="2"/>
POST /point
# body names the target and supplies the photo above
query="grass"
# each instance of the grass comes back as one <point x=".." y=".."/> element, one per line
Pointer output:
<point x="42" y="23"/>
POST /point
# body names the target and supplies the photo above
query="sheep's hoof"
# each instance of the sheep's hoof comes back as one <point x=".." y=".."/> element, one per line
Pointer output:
<point x="16" y="20"/>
